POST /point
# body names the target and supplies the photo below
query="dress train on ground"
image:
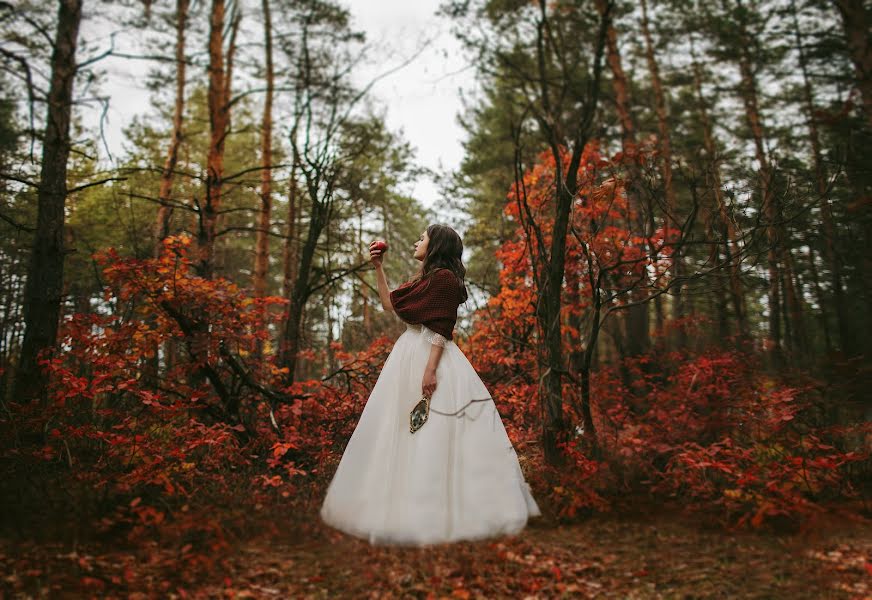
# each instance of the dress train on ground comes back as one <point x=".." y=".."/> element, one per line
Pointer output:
<point x="457" y="478"/>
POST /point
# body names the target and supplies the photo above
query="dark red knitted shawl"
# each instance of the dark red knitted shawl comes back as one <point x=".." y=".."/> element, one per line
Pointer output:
<point x="432" y="301"/>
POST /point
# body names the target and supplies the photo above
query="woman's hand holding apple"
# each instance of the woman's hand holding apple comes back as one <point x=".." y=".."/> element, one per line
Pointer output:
<point x="376" y="252"/>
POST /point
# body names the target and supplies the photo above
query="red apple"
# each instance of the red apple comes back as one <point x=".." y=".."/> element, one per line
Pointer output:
<point x="379" y="245"/>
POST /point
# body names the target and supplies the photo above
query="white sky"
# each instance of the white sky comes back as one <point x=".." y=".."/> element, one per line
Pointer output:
<point x="421" y="100"/>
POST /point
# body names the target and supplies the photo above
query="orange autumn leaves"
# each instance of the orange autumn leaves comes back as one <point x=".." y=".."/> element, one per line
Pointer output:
<point x="605" y="248"/>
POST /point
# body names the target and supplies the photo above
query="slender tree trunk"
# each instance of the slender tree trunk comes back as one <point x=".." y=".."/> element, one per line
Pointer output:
<point x="731" y="248"/>
<point x="550" y="272"/>
<point x="220" y="257"/>
<point x="165" y="210"/>
<point x="218" y="98"/>
<point x="45" y="273"/>
<point x="721" y="311"/>
<point x="573" y="300"/>
<point x="785" y="314"/>
<point x="846" y="335"/>
<point x="638" y="340"/>
<point x="799" y="339"/>
<point x="859" y="189"/>
<point x="548" y="313"/>
<point x="857" y="21"/>
<point x="364" y="294"/>
<point x="665" y="141"/>
<point x="367" y="319"/>
<point x="769" y="201"/>
<point x="821" y="299"/>
<point x="585" y="367"/>
<point x="719" y="253"/>
<point x="577" y="344"/>
<point x="328" y="351"/>
<point x="665" y="148"/>
<point x="320" y="178"/>
<point x="218" y="125"/>
<point x="300" y="292"/>
<point x="261" y="259"/>
<point x="291" y="249"/>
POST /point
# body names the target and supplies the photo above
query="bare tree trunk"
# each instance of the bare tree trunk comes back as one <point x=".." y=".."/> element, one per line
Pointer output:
<point x="846" y="335"/>
<point x="857" y="19"/>
<point x="300" y="291"/>
<point x="718" y="300"/>
<point x="331" y="322"/>
<point x="638" y="340"/>
<point x="291" y="246"/>
<point x="320" y="179"/>
<point x="218" y="124"/>
<point x="731" y="248"/>
<point x="165" y="210"/>
<point x="665" y="148"/>
<point x="769" y="202"/>
<point x="364" y="295"/>
<point x="261" y="258"/>
<point x="721" y="310"/>
<point x="573" y="300"/>
<point x="45" y="273"/>
<point x="221" y="216"/>
<point x="799" y="338"/>
<point x="821" y="299"/>
<point x="581" y="352"/>
<point x="220" y="78"/>
<point x="585" y="366"/>
<point x="665" y="141"/>
<point x="548" y="313"/>
<point x="551" y="274"/>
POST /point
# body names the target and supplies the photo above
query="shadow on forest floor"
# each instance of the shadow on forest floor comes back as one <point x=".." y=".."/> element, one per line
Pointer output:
<point x="658" y="554"/>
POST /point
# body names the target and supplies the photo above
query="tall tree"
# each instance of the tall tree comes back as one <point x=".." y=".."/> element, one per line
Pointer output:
<point x="664" y="142"/>
<point x="539" y="50"/>
<point x="220" y="79"/>
<point x="45" y="274"/>
<point x="729" y="232"/>
<point x="637" y="338"/>
<point x="319" y="146"/>
<point x="261" y="252"/>
<point x="846" y="336"/>
<point x="165" y="209"/>
<point x="857" y="22"/>
<point x="742" y="43"/>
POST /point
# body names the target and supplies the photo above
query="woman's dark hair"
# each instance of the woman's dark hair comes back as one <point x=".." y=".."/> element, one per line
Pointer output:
<point x="444" y="250"/>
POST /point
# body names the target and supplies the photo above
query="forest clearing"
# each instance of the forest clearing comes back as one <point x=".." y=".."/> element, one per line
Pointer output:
<point x="245" y="244"/>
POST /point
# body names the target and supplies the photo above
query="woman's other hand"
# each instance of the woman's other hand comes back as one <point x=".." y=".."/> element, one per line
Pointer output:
<point x="428" y="384"/>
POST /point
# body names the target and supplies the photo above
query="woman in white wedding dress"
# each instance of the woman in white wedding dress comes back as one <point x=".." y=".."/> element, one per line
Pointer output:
<point x="455" y="478"/>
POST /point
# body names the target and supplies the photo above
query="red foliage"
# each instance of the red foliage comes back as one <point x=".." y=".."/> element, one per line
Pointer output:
<point x="709" y="428"/>
<point x="713" y="431"/>
<point x="151" y="453"/>
<point x="167" y="402"/>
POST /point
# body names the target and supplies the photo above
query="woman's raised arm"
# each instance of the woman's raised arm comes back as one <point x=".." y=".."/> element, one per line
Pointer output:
<point x="376" y="256"/>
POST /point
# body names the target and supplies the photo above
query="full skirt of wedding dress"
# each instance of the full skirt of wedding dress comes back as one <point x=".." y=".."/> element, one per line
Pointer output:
<point x="456" y="478"/>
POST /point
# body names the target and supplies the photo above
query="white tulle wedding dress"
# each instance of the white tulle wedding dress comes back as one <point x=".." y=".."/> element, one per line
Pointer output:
<point x="456" y="478"/>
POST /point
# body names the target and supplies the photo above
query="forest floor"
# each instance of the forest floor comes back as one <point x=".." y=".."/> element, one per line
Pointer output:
<point x="653" y="553"/>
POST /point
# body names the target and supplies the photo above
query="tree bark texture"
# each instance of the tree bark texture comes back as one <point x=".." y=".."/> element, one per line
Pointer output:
<point x="261" y="258"/>
<point x="857" y="21"/>
<point x="165" y="210"/>
<point x="45" y="274"/>
<point x="638" y="340"/>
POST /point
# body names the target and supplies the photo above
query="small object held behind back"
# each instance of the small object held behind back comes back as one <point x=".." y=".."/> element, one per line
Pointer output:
<point x="418" y="415"/>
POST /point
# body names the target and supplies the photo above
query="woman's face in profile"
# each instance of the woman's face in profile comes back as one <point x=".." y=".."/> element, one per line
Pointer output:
<point x="421" y="246"/>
